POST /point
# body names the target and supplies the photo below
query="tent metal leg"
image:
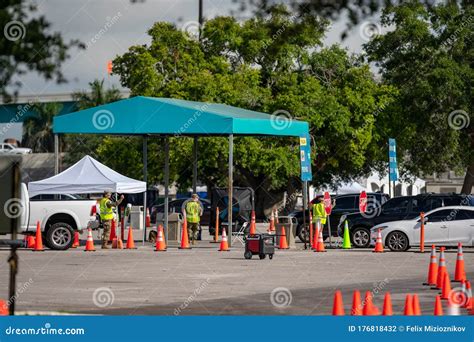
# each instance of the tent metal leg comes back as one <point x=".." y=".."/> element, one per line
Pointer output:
<point x="166" y="181"/>
<point x="56" y="154"/>
<point x="145" y="179"/>
<point x="230" y="187"/>
<point x="305" y="205"/>
<point x="195" y="161"/>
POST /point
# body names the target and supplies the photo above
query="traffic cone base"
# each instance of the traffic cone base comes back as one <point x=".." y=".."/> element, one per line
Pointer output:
<point x="38" y="239"/>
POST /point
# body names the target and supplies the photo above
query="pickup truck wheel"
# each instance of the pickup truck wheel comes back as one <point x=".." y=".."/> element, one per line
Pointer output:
<point x="361" y="237"/>
<point x="304" y="233"/>
<point x="60" y="236"/>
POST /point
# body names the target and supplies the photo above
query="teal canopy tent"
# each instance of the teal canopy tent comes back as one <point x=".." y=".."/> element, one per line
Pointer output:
<point x="166" y="117"/>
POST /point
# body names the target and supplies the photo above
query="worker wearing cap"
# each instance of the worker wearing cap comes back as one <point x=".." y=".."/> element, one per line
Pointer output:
<point x="193" y="215"/>
<point x="319" y="212"/>
<point x="107" y="215"/>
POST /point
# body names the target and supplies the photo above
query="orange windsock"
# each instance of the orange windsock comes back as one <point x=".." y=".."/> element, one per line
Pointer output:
<point x="253" y="224"/>
<point x="283" y="242"/>
<point x="338" y="306"/>
<point x="460" y="273"/>
<point x="39" y="239"/>
<point x="130" y="242"/>
<point x="438" y="309"/>
<point x="441" y="269"/>
<point x="432" y="268"/>
<point x="160" y="240"/>
<point x="446" y="286"/>
<point x="387" y="305"/>
<point x="184" y="235"/>
<point x="356" y="304"/>
<point x="378" y="244"/>
<point x="320" y="244"/>
<point x="76" y="242"/>
<point x="416" y="305"/>
<point x="224" y="247"/>
<point x="408" y="311"/>
<point x="368" y="309"/>
<point x="90" y="242"/>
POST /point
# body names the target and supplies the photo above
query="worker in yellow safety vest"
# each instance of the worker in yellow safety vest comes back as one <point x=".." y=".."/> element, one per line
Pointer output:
<point x="319" y="213"/>
<point x="193" y="210"/>
<point x="107" y="215"/>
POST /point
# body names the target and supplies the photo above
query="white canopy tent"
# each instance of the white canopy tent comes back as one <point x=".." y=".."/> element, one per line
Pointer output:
<point x="84" y="177"/>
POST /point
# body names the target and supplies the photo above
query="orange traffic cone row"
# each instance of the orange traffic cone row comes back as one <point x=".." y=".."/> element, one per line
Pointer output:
<point x="253" y="224"/>
<point x="368" y="309"/>
<point x="113" y="234"/>
<point x="356" y="304"/>
<point x="408" y="311"/>
<point x="130" y="242"/>
<point x="76" y="242"/>
<point x="441" y="269"/>
<point x="320" y="244"/>
<point x="432" y="268"/>
<point x="338" y="306"/>
<point x="438" y="309"/>
<point x="283" y="242"/>
<point x="446" y="286"/>
<point x="160" y="240"/>
<point x="90" y="242"/>
<point x="387" y="305"/>
<point x="416" y="305"/>
<point x="459" y="273"/>
<point x="30" y="241"/>
<point x="147" y="218"/>
<point x="3" y="308"/>
<point x="378" y="243"/>
<point x="39" y="239"/>
<point x="224" y="247"/>
<point x="184" y="235"/>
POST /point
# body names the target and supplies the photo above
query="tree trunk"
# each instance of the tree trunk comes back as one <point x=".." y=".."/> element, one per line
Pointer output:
<point x="468" y="180"/>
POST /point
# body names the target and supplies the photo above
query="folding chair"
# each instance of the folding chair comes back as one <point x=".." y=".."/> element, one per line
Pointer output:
<point x="240" y="234"/>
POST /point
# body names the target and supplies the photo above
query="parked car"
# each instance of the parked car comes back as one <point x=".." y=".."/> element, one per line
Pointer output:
<point x="444" y="226"/>
<point x="344" y="204"/>
<point x="398" y="208"/>
<point x="9" y="148"/>
<point x="59" y="219"/>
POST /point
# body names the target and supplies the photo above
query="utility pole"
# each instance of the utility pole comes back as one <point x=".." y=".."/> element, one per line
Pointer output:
<point x="200" y="19"/>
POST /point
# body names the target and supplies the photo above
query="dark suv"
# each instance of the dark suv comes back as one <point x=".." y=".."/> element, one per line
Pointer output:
<point x="398" y="208"/>
<point x="344" y="204"/>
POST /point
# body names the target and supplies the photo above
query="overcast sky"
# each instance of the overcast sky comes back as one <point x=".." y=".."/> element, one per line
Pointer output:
<point x="127" y="25"/>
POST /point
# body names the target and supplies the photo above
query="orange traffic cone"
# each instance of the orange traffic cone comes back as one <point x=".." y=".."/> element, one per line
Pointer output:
<point x="283" y="242"/>
<point x="147" y="218"/>
<point x="438" y="309"/>
<point x="115" y="243"/>
<point x="387" y="305"/>
<point x="408" y="311"/>
<point x="320" y="244"/>
<point x="368" y="309"/>
<point x="119" y="244"/>
<point x="76" y="242"/>
<point x="184" y="235"/>
<point x="271" y="227"/>
<point x="338" y="306"/>
<point x="39" y="239"/>
<point x="224" y="244"/>
<point x="253" y="224"/>
<point x="446" y="286"/>
<point x="416" y="305"/>
<point x="378" y="243"/>
<point x="432" y="268"/>
<point x="4" y="308"/>
<point x="90" y="242"/>
<point x="441" y="269"/>
<point x="459" y="273"/>
<point x="30" y="241"/>
<point x="470" y="300"/>
<point x="113" y="234"/>
<point x="356" y="304"/>
<point x="130" y="242"/>
<point x="160" y="241"/>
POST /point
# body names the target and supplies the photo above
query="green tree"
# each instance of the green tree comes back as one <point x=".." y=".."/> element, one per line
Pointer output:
<point x="27" y="45"/>
<point x="428" y="55"/>
<point x="37" y="130"/>
<point x="273" y="63"/>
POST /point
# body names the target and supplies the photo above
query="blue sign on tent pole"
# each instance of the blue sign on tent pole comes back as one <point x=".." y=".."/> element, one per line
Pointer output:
<point x="392" y="155"/>
<point x="305" y="158"/>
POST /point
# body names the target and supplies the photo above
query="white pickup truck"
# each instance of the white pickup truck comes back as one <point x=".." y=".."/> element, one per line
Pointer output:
<point x="59" y="216"/>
